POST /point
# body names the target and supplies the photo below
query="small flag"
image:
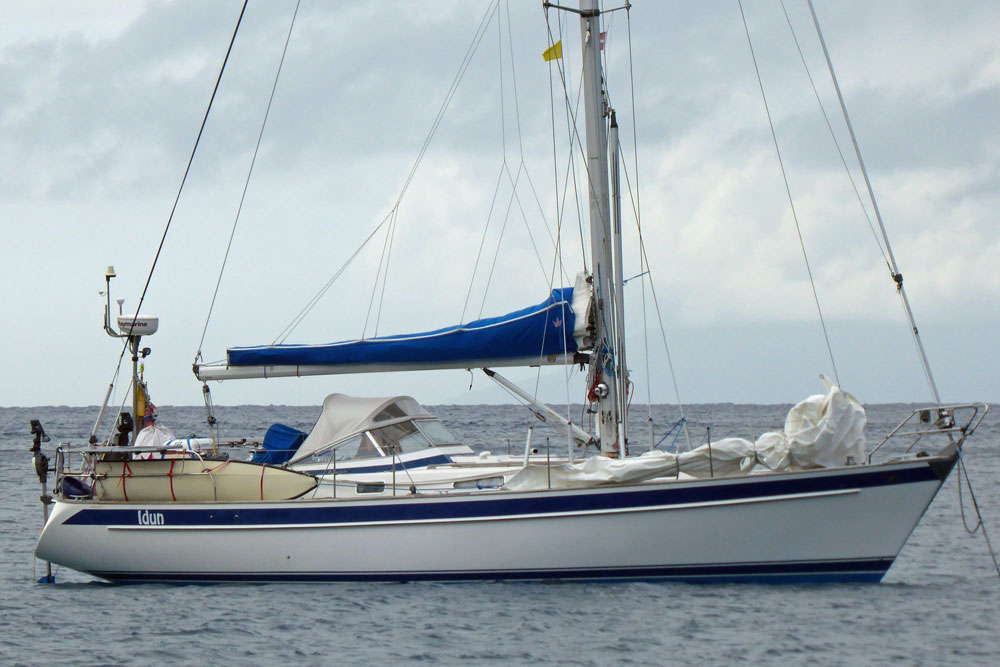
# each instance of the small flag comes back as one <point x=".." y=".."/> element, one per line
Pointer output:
<point x="604" y="36"/>
<point x="554" y="52"/>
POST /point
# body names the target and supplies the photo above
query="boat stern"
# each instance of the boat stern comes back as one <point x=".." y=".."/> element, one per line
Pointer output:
<point x="66" y="545"/>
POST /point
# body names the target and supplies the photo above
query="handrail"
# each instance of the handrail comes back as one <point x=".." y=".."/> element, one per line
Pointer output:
<point x="957" y="422"/>
<point x="101" y="449"/>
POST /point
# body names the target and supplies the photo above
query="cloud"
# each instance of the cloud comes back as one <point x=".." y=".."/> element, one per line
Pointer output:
<point x="102" y="104"/>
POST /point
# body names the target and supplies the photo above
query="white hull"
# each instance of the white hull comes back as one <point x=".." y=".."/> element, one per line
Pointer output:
<point x="842" y="524"/>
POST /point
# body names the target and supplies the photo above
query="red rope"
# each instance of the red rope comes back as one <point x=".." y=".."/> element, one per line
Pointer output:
<point x="125" y="469"/>
<point x="170" y="476"/>
<point x="592" y="392"/>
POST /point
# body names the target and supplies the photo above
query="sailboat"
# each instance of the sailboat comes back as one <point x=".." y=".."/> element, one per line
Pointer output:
<point x="808" y="504"/>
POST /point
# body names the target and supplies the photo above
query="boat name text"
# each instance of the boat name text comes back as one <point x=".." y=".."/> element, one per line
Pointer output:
<point x="147" y="518"/>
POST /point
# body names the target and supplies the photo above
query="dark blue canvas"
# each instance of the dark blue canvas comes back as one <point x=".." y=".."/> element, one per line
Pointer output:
<point x="538" y="331"/>
<point x="280" y="443"/>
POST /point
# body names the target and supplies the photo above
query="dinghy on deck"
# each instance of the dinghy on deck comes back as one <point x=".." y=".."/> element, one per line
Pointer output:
<point x="185" y="479"/>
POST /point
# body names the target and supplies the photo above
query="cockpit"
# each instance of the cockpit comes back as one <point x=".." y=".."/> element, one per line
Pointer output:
<point x="400" y="438"/>
<point x="354" y="428"/>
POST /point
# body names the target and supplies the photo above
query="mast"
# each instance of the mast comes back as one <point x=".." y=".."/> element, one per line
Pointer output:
<point x="621" y="368"/>
<point x="603" y="370"/>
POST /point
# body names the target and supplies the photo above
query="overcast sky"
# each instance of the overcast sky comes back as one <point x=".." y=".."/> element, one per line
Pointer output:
<point x="100" y="103"/>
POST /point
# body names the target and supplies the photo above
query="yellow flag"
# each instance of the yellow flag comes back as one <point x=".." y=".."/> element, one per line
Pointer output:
<point x="554" y="52"/>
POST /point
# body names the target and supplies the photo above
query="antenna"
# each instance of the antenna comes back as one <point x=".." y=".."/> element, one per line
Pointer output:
<point x="109" y="273"/>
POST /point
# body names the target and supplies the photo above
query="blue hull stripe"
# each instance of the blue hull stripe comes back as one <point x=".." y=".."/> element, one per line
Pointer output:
<point x="502" y="505"/>
<point x="864" y="570"/>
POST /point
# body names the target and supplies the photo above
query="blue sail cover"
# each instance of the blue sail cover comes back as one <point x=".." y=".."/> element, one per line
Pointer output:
<point x="280" y="443"/>
<point x="539" y="331"/>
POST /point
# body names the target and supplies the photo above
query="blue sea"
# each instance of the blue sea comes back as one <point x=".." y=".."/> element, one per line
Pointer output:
<point x="938" y="605"/>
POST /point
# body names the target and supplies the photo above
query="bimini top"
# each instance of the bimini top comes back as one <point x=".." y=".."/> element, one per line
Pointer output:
<point x="344" y="416"/>
<point x="545" y="334"/>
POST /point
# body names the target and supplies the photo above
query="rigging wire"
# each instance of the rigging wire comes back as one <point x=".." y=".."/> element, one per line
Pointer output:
<point x="897" y="277"/>
<point x="121" y="409"/>
<point x="645" y="269"/>
<point x="287" y="331"/>
<point x="470" y="51"/>
<point x="560" y="203"/>
<point x="496" y="252"/>
<point x="555" y="182"/>
<point x="570" y="176"/>
<point x="500" y="173"/>
<point x="571" y="171"/>
<point x="473" y="46"/>
<point x="505" y="169"/>
<point x="522" y="168"/>
<point x="574" y="134"/>
<point x="524" y="219"/>
<point x="385" y="274"/>
<point x="570" y="114"/>
<point x="514" y="198"/>
<point x="538" y="203"/>
<point x="513" y="80"/>
<point x="114" y="380"/>
<point x="187" y="170"/>
<point x="659" y="317"/>
<point x="980" y="524"/>
<point x="246" y="184"/>
<point x="638" y="218"/>
<point x="503" y="106"/>
<point x="482" y="242"/>
<point x="788" y="191"/>
<point x="378" y="275"/>
<point x="383" y="262"/>
<point x="833" y="135"/>
<point x="571" y="111"/>
<point x="520" y="141"/>
<point x="558" y="268"/>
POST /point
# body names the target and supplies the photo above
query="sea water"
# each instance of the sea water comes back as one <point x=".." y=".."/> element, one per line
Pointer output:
<point x="939" y="604"/>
